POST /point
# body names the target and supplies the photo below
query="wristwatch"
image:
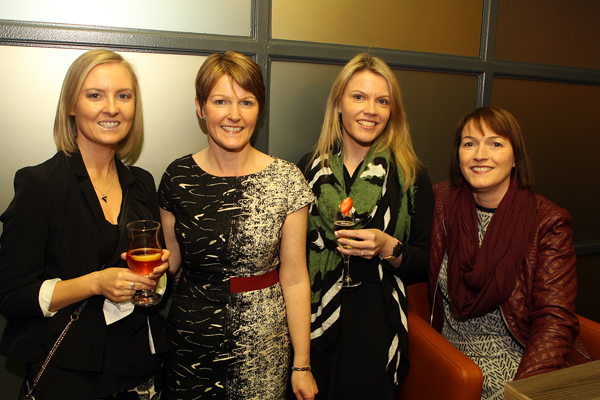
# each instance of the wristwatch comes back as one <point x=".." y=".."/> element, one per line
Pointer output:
<point x="395" y="253"/>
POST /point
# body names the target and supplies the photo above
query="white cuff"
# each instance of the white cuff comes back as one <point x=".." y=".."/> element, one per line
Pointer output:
<point x="45" y="296"/>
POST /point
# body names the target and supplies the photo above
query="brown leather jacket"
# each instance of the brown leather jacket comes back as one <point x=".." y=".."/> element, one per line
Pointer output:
<point x="540" y="313"/>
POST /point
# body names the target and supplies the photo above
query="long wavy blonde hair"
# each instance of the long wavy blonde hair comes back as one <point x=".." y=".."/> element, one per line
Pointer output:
<point x="395" y="136"/>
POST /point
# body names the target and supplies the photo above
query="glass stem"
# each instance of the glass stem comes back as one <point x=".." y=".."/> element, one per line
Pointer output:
<point x="346" y="268"/>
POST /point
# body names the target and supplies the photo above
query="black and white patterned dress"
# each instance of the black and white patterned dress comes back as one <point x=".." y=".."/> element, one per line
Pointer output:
<point x="485" y="339"/>
<point x="228" y="345"/>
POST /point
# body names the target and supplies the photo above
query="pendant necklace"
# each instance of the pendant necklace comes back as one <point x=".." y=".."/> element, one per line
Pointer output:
<point x="111" y="185"/>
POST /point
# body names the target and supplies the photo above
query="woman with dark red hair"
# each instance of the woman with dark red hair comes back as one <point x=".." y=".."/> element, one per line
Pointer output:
<point x="502" y="263"/>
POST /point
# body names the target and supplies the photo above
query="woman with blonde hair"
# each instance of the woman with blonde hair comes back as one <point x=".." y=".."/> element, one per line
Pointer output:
<point x="235" y="220"/>
<point x="65" y="126"/>
<point x="359" y="335"/>
<point x="62" y="243"/>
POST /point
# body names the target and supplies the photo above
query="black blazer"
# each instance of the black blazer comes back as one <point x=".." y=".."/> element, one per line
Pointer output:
<point x="55" y="228"/>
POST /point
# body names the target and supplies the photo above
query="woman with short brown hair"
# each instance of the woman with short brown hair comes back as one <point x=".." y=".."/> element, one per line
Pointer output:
<point x="235" y="220"/>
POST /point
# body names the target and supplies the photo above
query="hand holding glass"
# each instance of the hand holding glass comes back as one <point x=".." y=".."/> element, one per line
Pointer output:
<point x="144" y="254"/>
<point x="342" y="221"/>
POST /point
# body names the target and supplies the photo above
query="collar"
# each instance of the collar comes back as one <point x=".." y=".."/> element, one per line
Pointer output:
<point x="126" y="178"/>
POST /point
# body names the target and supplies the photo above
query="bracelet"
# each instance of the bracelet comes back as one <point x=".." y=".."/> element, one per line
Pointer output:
<point x="301" y="368"/>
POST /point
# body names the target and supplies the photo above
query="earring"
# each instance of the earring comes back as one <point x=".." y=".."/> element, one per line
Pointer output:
<point x="203" y="118"/>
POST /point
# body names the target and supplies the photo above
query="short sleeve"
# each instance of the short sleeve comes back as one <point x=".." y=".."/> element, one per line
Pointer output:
<point x="299" y="193"/>
<point x="165" y="189"/>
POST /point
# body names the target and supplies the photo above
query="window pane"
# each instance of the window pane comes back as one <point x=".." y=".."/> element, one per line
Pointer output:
<point x="299" y="94"/>
<point x="435" y="26"/>
<point x="434" y="103"/>
<point x="549" y="32"/>
<point x="588" y="276"/>
<point x="30" y="95"/>
<point x="562" y="133"/>
<point x="197" y="16"/>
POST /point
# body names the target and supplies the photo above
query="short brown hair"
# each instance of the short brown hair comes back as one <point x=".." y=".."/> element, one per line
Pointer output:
<point x="502" y="123"/>
<point x="65" y="127"/>
<point x="240" y="68"/>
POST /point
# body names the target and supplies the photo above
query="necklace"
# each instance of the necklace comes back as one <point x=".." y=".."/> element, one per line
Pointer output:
<point x="111" y="185"/>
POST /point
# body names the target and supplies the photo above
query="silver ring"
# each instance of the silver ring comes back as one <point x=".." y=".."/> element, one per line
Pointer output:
<point x="361" y="253"/>
<point x="132" y="285"/>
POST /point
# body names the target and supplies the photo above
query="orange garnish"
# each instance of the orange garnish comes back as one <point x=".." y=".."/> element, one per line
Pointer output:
<point x="346" y="206"/>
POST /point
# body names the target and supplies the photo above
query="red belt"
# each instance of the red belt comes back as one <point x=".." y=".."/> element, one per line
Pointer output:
<point x="250" y="283"/>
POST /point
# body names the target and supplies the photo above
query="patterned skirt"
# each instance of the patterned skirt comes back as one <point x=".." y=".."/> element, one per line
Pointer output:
<point x="226" y="345"/>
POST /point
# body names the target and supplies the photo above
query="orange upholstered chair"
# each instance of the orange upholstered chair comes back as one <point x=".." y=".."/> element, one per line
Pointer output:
<point x="590" y="332"/>
<point x="438" y="370"/>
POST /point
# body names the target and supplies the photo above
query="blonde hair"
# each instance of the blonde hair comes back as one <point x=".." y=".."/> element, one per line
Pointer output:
<point x="395" y="136"/>
<point x="65" y="126"/>
<point x="238" y="67"/>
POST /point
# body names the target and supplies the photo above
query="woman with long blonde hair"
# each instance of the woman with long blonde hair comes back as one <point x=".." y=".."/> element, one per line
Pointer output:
<point x="359" y="335"/>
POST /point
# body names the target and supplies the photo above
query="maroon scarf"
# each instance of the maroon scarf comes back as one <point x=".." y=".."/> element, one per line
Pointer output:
<point x="480" y="279"/>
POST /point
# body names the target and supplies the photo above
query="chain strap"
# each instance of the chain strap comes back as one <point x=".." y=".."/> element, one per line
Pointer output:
<point x="74" y="317"/>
